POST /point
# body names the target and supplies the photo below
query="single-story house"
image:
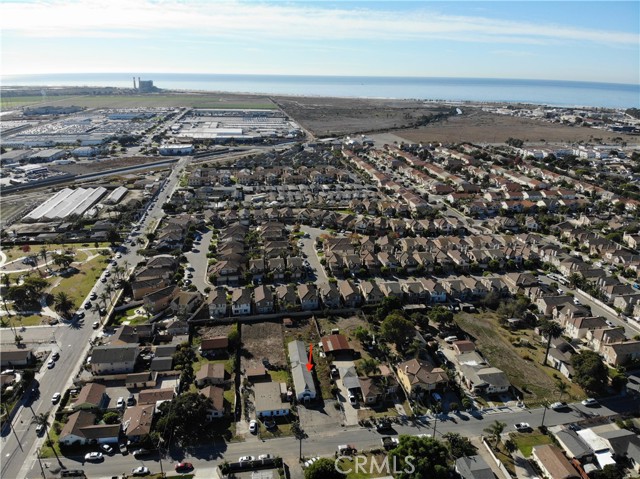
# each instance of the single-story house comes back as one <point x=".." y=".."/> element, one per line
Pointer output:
<point x="268" y="399"/>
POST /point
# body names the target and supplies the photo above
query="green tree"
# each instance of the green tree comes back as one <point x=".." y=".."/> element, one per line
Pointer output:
<point x="495" y="430"/>
<point x="420" y="458"/>
<point x="590" y="372"/>
<point x="111" y="417"/>
<point x="459" y="446"/>
<point x="62" y="259"/>
<point x="361" y="334"/>
<point x="551" y="330"/>
<point x="396" y="329"/>
<point x="183" y="417"/>
<point x="63" y="304"/>
<point x="562" y="388"/>
<point x="441" y="315"/>
<point x="369" y="366"/>
<point x="323" y="468"/>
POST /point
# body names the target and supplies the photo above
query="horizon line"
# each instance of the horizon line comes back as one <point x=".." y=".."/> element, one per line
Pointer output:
<point x="9" y="75"/>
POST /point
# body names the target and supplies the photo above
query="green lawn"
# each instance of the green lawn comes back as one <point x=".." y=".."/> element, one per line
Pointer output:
<point x="230" y="396"/>
<point x="526" y="442"/>
<point x="48" y="452"/>
<point x="79" y="285"/>
<point x="17" y="321"/>
<point x="279" y="376"/>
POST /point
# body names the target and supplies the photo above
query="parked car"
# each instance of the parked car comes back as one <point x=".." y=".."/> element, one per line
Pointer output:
<point x="40" y="429"/>
<point x="559" y="406"/>
<point x="106" y="448"/>
<point x="140" y="471"/>
<point x="87" y="305"/>
<point x="131" y="400"/>
<point x="184" y="467"/>
<point x="262" y="457"/>
<point x="55" y="356"/>
<point x="246" y="458"/>
<point x="590" y="402"/>
<point x="96" y="324"/>
<point x="389" y="442"/>
<point x="141" y="452"/>
<point x="253" y="426"/>
<point x="346" y="450"/>
<point x="51" y="364"/>
<point x="123" y="449"/>
<point x="93" y="296"/>
<point x="522" y="426"/>
<point x="120" y="403"/>
<point x="93" y="456"/>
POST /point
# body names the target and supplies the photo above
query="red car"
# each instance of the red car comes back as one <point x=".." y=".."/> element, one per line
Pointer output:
<point x="184" y="467"/>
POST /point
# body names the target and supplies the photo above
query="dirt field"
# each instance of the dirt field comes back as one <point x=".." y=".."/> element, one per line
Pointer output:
<point x="522" y="365"/>
<point x="478" y="126"/>
<point x="262" y="340"/>
<point x="341" y="116"/>
<point x="97" y="166"/>
<point x="208" y="332"/>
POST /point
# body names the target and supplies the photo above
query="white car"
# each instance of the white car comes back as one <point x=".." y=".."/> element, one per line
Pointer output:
<point x="590" y="402"/>
<point x="262" y="457"/>
<point x="118" y="256"/>
<point x="253" y="426"/>
<point x="246" y="458"/>
<point x="557" y="406"/>
<point x="55" y="398"/>
<point x="93" y="456"/>
<point x="51" y="364"/>
<point x="522" y="426"/>
<point x="140" y="471"/>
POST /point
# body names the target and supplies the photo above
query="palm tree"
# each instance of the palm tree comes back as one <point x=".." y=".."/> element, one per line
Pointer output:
<point x="495" y="430"/>
<point x="562" y="388"/>
<point x="63" y="303"/>
<point x="551" y="330"/>
<point x="42" y="419"/>
<point x="369" y="366"/>
<point x="103" y="297"/>
<point x="43" y="253"/>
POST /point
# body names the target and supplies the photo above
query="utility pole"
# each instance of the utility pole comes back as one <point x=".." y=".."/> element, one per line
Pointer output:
<point x="544" y="412"/>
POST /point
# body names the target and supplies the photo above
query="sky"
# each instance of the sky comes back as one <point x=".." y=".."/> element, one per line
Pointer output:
<point x="572" y="40"/>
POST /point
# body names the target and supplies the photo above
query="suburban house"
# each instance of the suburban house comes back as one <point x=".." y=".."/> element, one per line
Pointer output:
<point x="91" y="396"/>
<point x="81" y="429"/>
<point x="618" y="354"/>
<point x="473" y="467"/>
<point x="377" y="388"/>
<point x="218" y="302"/>
<point x="16" y="357"/>
<point x="210" y="373"/>
<point x="263" y="299"/>
<point x="241" y="301"/>
<point x="214" y="346"/>
<point x="305" y="388"/>
<point x="329" y="294"/>
<point x="155" y="396"/>
<point x="136" y="421"/>
<point x="114" y="359"/>
<point x="418" y="376"/>
<point x="484" y="379"/>
<point x="216" y="395"/>
<point x="160" y="299"/>
<point x="553" y="463"/>
<point x="268" y="399"/>
<point x="308" y="296"/>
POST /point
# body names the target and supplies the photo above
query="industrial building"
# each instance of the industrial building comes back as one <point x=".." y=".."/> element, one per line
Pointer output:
<point x="66" y="202"/>
<point x="116" y="195"/>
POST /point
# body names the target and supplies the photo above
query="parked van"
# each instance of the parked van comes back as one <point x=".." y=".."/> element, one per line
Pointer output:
<point x="450" y="339"/>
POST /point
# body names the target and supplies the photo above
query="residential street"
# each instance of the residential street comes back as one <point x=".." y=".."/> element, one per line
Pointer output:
<point x="324" y="443"/>
<point x="19" y="440"/>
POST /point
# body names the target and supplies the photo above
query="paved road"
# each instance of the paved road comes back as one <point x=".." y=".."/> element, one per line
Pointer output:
<point x="324" y="442"/>
<point x="19" y="441"/>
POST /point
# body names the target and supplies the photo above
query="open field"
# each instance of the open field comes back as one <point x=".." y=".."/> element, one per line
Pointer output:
<point x="262" y="340"/>
<point x="523" y="365"/>
<point x="78" y="285"/>
<point x="151" y="100"/>
<point x="96" y="166"/>
<point x="341" y="116"/>
<point x="475" y="125"/>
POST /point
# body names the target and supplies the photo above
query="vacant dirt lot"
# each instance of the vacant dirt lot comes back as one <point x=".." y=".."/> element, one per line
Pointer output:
<point x="341" y="116"/>
<point x="97" y="166"/>
<point x="209" y="332"/>
<point x="523" y="365"/>
<point x="477" y="126"/>
<point x="262" y="340"/>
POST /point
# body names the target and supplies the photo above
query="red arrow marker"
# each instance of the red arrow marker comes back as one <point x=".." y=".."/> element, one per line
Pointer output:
<point x="310" y="363"/>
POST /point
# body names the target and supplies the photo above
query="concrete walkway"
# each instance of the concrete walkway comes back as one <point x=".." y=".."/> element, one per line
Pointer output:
<point x="524" y="470"/>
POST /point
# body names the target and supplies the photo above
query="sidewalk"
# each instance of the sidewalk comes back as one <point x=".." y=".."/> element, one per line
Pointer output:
<point x="524" y="470"/>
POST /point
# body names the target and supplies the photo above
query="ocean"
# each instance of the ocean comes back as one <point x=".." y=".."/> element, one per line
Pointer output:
<point x="543" y="92"/>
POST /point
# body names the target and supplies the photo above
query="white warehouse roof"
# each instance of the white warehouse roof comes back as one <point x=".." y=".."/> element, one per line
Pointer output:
<point x="67" y="202"/>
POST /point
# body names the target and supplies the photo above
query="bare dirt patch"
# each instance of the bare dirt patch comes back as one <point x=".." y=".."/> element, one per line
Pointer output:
<point x="262" y="340"/>
<point x="475" y="125"/>
<point x="209" y="332"/>
<point x="341" y="116"/>
<point x="97" y="166"/>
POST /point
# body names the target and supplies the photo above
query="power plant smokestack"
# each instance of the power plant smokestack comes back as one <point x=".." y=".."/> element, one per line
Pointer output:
<point x="134" y="83"/>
